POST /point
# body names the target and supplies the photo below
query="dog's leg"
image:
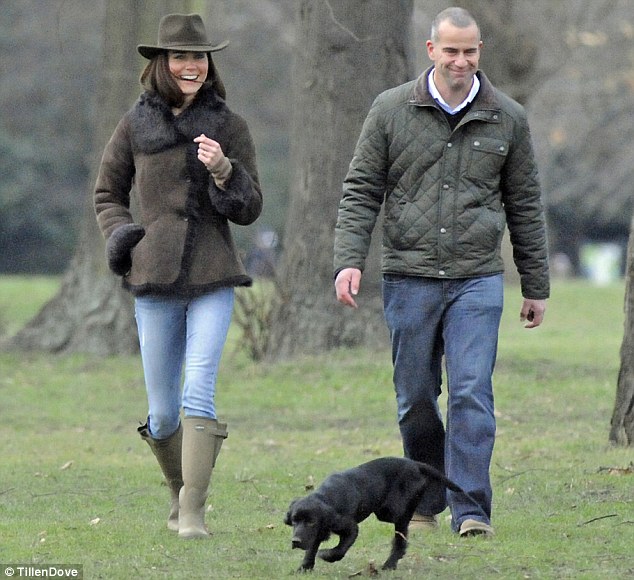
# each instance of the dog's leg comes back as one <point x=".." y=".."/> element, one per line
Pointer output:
<point x="347" y="536"/>
<point x="308" y="563"/>
<point x="399" y="544"/>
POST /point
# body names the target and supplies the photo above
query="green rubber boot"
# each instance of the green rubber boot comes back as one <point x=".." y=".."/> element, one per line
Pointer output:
<point x="168" y="454"/>
<point x="202" y="439"/>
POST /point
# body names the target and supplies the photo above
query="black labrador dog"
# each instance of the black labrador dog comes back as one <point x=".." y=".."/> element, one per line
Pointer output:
<point x="388" y="487"/>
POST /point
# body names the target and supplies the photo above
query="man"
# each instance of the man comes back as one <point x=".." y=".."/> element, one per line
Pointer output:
<point x="451" y="158"/>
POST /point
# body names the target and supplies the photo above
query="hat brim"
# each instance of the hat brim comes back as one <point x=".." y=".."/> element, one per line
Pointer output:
<point x="150" y="51"/>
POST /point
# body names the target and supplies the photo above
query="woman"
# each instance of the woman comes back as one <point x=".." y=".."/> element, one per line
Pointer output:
<point x="192" y="163"/>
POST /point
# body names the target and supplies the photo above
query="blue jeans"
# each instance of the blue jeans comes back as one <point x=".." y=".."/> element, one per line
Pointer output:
<point x="460" y="319"/>
<point x="176" y="333"/>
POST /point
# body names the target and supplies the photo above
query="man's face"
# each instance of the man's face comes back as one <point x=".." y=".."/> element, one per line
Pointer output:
<point x="456" y="55"/>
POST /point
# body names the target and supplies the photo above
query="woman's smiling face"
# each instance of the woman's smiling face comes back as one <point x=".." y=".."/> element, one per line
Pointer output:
<point x="190" y="71"/>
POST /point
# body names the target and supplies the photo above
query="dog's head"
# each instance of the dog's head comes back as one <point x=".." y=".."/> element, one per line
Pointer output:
<point x="311" y="520"/>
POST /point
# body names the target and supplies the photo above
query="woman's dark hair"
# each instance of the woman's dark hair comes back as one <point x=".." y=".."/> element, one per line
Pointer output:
<point x="156" y="77"/>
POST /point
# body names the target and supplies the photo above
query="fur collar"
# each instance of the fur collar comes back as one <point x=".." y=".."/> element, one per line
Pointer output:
<point x="155" y="128"/>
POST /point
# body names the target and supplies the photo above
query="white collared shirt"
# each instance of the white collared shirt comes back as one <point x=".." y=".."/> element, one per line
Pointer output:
<point x="475" y="87"/>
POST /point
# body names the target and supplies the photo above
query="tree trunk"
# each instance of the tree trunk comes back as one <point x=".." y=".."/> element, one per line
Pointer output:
<point x="91" y="312"/>
<point x="348" y="51"/>
<point x="622" y="424"/>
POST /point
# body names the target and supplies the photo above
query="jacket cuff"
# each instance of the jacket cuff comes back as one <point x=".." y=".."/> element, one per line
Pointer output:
<point x="119" y="247"/>
<point x="240" y="200"/>
<point x="221" y="173"/>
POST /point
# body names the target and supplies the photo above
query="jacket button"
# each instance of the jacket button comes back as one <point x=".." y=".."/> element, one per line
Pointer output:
<point x="445" y="186"/>
<point x="443" y="231"/>
<point x="441" y="272"/>
<point x="450" y="145"/>
<point x="476" y="143"/>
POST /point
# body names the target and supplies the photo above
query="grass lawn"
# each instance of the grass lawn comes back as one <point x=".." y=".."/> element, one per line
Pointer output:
<point x="77" y="485"/>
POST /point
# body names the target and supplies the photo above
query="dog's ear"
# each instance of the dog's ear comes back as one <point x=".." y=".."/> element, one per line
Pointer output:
<point x="329" y="520"/>
<point x="287" y="518"/>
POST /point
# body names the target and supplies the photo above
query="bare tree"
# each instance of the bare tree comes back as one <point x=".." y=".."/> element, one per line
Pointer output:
<point x="583" y="123"/>
<point x="622" y="424"/>
<point x="91" y="312"/>
<point x="347" y="52"/>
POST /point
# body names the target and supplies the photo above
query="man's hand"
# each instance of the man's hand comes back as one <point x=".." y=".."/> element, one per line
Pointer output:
<point x="533" y="312"/>
<point x="347" y="285"/>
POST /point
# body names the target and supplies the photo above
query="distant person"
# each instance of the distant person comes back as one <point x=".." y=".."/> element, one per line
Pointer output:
<point x="450" y="157"/>
<point x="261" y="259"/>
<point x="192" y="162"/>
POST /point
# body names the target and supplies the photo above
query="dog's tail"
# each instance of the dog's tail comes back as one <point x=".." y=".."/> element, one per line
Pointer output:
<point x="430" y="471"/>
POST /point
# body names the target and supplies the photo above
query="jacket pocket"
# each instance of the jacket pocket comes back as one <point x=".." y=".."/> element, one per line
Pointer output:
<point x="406" y="221"/>
<point x="486" y="157"/>
<point x="405" y="231"/>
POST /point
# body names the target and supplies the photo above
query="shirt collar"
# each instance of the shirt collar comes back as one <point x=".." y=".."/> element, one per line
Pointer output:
<point x="475" y="87"/>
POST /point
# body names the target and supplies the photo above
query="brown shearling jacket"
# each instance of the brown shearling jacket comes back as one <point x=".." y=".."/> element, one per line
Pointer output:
<point x="187" y="248"/>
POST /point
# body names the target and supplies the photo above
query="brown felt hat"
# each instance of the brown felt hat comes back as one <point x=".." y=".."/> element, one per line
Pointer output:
<point x="182" y="32"/>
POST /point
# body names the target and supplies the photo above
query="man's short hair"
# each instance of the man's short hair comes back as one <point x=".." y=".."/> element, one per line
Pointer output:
<point x="457" y="16"/>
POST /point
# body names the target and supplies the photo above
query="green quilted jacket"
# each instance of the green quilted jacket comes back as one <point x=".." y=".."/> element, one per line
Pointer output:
<point x="448" y="195"/>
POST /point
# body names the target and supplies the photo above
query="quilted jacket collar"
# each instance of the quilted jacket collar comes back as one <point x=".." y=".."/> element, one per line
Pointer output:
<point x="486" y="98"/>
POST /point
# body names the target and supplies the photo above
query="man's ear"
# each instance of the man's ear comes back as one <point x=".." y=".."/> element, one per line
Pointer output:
<point x="430" y="49"/>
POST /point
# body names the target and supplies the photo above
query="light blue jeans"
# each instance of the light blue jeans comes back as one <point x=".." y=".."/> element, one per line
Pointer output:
<point x="460" y="319"/>
<point x="177" y="334"/>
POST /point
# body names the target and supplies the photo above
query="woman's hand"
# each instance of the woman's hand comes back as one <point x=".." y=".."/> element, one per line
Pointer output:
<point x="210" y="153"/>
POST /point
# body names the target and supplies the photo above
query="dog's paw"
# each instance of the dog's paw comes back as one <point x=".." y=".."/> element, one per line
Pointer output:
<point x="389" y="565"/>
<point x="330" y="555"/>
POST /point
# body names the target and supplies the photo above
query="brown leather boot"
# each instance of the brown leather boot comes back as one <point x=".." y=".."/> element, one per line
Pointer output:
<point x="168" y="454"/>
<point x="202" y="439"/>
